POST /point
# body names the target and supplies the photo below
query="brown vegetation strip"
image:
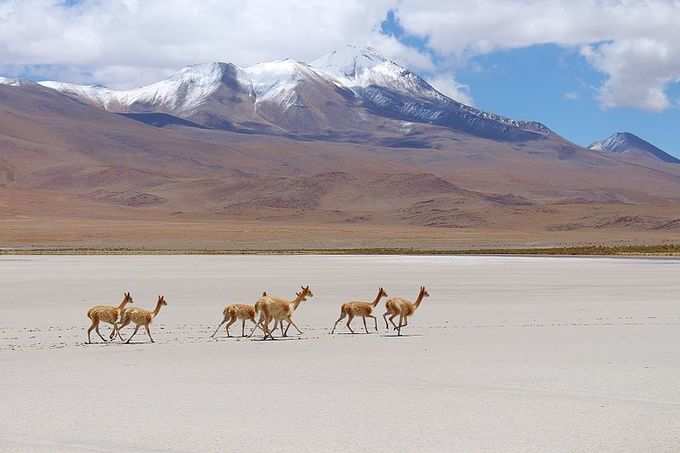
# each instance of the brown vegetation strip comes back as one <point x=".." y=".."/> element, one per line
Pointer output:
<point x="594" y="250"/>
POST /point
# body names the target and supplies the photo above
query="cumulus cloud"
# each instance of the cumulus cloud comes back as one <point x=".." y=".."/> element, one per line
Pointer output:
<point x="639" y="70"/>
<point x="115" y="37"/>
<point x="635" y="43"/>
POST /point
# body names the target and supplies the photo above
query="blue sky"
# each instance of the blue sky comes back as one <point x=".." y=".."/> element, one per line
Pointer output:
<point x="585" y="68"/>
<point x="556" y="86"/>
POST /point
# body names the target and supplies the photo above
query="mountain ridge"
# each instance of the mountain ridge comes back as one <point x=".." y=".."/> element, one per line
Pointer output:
<point x="348" y="90"/>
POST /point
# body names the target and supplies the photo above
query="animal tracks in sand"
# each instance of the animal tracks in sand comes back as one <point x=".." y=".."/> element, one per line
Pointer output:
<point x="67" y="337"/>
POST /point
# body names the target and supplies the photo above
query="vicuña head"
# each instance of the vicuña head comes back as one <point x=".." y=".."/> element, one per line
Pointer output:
<point x="127" y="298"/>
<point x="162" y="301"/>
<point x="382" y="293"/>
<point x="305" y="293"/>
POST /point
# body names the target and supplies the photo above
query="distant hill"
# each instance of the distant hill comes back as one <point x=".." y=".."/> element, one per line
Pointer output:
<point x="627" y="143"/>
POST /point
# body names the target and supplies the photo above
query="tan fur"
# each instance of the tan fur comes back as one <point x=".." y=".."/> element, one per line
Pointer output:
<point x="278" y="310"/>
<point x="235" y="312"/>
<point x="359" y="308"/>
<point x="141" y="317"/>
<point x="109" y="314"/>
<point x="403" y="308"/>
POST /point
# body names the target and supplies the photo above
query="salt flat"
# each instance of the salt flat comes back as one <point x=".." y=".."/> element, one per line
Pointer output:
<point x="508" y="354"/>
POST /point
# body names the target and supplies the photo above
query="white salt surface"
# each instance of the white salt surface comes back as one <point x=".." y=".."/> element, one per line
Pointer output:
<point x="507" y="355"/>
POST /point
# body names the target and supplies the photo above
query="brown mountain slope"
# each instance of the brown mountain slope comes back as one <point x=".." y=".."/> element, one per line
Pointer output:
<point x="67" y="167"/>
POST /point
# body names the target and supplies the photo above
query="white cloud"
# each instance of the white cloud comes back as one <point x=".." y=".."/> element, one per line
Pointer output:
<point x="635" y="43"/>
<point x="154" y="36"/>
<point x="639" y="70"/>
<point x="640" y="55"/>
<point x="447" y="85"/>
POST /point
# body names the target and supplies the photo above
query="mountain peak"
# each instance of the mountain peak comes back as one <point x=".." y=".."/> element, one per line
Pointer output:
<point x="350" y="61"/>
<point x="625" y="142"/>
<point x="203" y="69"/>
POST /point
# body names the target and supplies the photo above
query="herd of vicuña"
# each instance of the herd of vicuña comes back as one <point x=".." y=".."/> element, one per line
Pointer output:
<point x="269" y="308"/>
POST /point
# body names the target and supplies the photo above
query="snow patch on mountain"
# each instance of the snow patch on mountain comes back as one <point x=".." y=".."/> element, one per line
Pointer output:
<point x="276" y="81"/>
<point x="623" y="142"/>
<point x="355" y="67"/>
<point x="616" y="143"/>
<point x="182" y="92"/>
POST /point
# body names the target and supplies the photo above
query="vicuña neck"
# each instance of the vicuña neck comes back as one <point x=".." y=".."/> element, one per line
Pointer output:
<point x="420" y="298"/>
<point x="157" y="309"/>
<point x="123" y="304"/>
<point x="377" y="299"/>
<point x="296" y="301"/>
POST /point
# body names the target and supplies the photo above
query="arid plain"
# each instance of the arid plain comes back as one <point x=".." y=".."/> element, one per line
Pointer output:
<point x="508" y="354"/>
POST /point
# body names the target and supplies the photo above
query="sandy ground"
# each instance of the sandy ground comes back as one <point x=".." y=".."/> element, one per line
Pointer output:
<point x="508" y="354"/>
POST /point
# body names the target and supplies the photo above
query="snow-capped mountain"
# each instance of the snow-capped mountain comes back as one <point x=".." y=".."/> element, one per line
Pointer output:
<point x="349" y="91"/>
<point x="391" y="87"/>
<point x="625" y="142"/>
<point x="359" y="68"/>
<point x="182" y="92"/>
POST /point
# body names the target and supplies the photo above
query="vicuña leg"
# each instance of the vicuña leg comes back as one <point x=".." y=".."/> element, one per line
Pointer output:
<point x="266" y="330"/>
<point x="290" y="321"/>
<point x="92" y="326"/>
<point x="364" y="319"/>
<point x="231" y="321"/>
<point x="118" y="333"/>
<point x="99" y="333"/>
<point x="342" y="316"/>
<point x="375" y="320"/>
<point x="148" y="332"/>
<point x="255" y="326"/>
<point x="120" y="328"/>
<point x="288" y="327"/>
<point x="349" y="320"/>
<point x="133" y="334"/>
<point x="218" y="328"/>
<point x="392" y="320"/>
<point x="259" y="324"/>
